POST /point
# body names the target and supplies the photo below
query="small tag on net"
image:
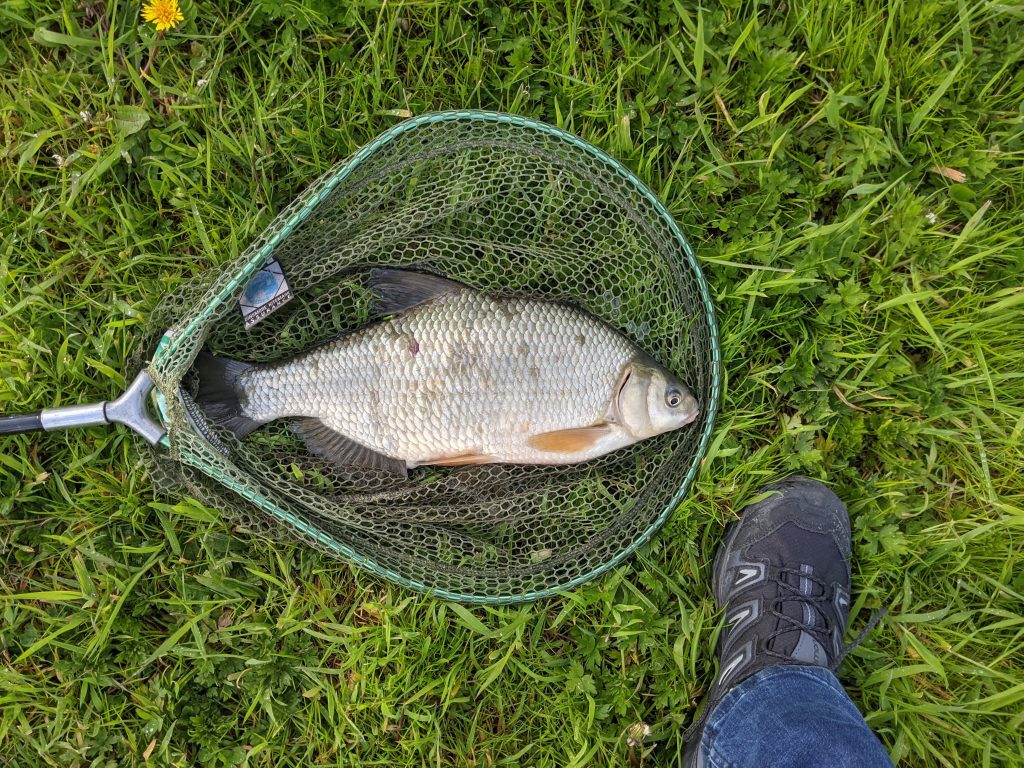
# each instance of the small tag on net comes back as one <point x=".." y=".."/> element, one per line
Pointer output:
<point x="266" y="293"/>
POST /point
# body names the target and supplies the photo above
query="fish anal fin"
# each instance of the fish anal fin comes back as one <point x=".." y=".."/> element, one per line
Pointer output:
<point x="336" y="447"/>
<point x="569" y="441"/>
<point x="400" y="289"/>
<point x="462" y="460"/>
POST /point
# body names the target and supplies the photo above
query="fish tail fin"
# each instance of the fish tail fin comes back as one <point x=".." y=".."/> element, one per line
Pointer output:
<point x="219" y="396"/>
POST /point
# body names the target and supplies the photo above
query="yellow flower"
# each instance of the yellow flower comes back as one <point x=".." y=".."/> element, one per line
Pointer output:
<point x="165" y="14"/>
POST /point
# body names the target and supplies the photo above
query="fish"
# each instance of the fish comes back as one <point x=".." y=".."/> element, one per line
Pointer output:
<point x="452" y="376"/>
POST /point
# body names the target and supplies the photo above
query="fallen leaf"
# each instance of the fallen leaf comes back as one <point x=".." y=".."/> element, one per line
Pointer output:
<point x="950" y="173"/>
<point x="840" y="395"/>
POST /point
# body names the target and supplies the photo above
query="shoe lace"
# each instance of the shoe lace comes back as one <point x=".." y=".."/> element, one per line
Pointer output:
<point x="876" y="617"/>
<point x="821" y="629"/>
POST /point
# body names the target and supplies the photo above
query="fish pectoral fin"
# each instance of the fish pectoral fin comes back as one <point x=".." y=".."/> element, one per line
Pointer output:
<point x="569" y="440"/>
<point x="334" y="446"/>
<point x="400" y="289"/>
<point x="462" y="460"/>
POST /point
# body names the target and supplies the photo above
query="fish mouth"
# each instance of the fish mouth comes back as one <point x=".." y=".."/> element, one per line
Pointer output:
<point x="690" y="409"/>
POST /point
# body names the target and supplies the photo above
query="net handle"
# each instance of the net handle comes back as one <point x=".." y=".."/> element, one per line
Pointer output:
<point x="129" y="409"/>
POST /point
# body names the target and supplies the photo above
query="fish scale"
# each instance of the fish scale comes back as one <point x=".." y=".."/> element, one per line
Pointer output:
<point x="462" y="374"/>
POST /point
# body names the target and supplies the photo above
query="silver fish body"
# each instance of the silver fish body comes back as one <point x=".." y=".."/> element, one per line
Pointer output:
<point x="460" y="377"/>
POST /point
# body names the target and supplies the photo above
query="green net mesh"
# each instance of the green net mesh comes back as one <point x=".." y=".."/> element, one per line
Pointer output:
<point x="499" y="203"/>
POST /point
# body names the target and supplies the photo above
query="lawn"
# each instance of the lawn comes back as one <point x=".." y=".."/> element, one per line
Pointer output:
<point x="852" y="177"/>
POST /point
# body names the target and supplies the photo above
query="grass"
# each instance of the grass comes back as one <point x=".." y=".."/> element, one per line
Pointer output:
<point x="852" y="174"/>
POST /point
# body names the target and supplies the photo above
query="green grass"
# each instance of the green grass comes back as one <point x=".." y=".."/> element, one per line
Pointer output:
<point x="871" y="315"/>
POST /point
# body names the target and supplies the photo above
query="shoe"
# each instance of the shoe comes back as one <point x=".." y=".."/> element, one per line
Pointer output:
<point x="782" y="579"/>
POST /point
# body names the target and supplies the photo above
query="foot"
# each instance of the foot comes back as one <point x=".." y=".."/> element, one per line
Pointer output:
<point x="782" y="578"/>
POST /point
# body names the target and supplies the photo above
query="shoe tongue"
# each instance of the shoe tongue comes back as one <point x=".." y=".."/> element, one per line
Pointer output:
<point x="793" y="641"/>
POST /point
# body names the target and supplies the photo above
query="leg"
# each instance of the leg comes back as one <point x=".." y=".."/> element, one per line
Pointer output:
<point x="789" y="715"/>
<point x="782" y="578"/>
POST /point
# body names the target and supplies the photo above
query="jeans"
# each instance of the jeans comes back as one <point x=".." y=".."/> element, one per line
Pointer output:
<point x="789" y="715"/>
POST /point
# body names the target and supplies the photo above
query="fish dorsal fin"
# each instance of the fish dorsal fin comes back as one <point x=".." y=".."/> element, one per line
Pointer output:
<point x="569" y="441"/>
<point x="401" y="289"/>
<point x="336" y="447"/>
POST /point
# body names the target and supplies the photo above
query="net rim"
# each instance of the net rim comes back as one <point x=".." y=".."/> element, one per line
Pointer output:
<point x="324" y="187"/>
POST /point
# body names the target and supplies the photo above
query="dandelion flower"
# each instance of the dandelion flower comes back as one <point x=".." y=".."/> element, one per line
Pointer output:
<point x="165" y="14"/>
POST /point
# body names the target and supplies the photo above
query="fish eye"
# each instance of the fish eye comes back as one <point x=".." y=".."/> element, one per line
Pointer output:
<point x="673" y="398"/>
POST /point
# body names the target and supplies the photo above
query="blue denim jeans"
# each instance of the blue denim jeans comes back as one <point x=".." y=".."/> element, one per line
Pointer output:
<point x="793" y="716"/>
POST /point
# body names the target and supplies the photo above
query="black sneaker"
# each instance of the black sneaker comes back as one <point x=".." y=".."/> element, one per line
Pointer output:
<point x="782" y="577"/>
